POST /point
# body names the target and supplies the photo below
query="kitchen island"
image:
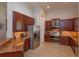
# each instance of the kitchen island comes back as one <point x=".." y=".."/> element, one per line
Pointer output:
<point x="15" y="47"/>
<point x="8" y="50"/>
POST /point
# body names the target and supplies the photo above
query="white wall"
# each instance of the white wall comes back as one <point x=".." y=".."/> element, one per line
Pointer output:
<point x="19" y="7"/>
<point x="62" y="13"/>
<point x="36" y="14"/>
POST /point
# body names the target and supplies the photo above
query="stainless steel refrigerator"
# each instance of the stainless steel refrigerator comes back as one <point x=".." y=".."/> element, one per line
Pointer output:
<point x="34" y="31"/>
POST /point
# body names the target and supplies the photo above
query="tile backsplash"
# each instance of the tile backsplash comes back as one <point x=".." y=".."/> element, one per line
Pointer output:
<point x="18" y="34"/>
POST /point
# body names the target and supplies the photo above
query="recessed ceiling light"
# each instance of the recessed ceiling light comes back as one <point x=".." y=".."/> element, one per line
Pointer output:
<point x="48" y="6"/>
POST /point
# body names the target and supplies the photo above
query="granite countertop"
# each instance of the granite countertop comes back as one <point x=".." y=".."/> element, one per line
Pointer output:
<point x="71" y="35"/>
<point x="2" y="41"/>
<point x="13" y="45"/>
<point x="10" y="48"/>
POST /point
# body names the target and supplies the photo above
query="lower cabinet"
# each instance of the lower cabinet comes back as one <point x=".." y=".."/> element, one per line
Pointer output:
<point x="47" y="37"/>
<point x="64" y="40"/>
<point x="73" y="45"/>
<point x="69" y="42"/>
<point x="27" y="44"/>
<point x="12" y="54"/>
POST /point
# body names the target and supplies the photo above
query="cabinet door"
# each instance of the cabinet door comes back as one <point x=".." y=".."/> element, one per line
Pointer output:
<point x="48" y="25"/>
<point x="17" y="22"/>
<point x="27" y="44"/>
<point x="23" y="23"/>
<point x="66" y="25"/>
<point x="26" y="20"/>
<point x="32" y="21"/>
<point x="29" y="21"/>
<point x="76" y="24"/>
<point x="47" y="37"/>
<point x="64" y="40"/>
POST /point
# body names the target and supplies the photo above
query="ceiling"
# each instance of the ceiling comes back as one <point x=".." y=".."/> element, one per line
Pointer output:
<point x="53" y="5"/>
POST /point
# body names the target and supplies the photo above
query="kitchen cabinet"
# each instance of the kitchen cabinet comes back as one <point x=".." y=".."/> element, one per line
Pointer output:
<point x="27" y="44"/>
<point x="29" y="20"/>
<point x="48" y="25"/>
<point x="73" y="44"/>
<point x="66" y="25"/>
<point x="21" y="21"/>
<point x="64" y="40"/>
<point x="12" y="54"/>
<point x="18" y="22"/>
<point x="47" y="37"/>
<point x="76" y="24"/>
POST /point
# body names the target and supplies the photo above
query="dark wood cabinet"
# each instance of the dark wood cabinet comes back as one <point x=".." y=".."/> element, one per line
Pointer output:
<point x="18" y="22"/>
<point x="76" y="24"/>
<point x="74" y="45"/>
<point x="27" y="44"/>
<point x="64" y="40"/>
<point x="12" y="54"/>
<point x="21" y="21"/>
<point x="47" y="37"/>
<point x="48" y="25"/>
<point x="66" y="25"/>
<point x="29" y="21"/>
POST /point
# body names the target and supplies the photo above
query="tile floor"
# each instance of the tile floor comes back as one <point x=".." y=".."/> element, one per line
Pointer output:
<point x="50" y="50"/>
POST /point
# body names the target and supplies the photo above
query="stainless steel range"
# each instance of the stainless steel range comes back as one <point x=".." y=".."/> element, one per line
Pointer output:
<point x="55" y="34"/>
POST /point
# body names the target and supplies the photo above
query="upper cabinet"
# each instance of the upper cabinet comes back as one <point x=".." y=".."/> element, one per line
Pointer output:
<point x="69" y="24"/>
<point x="63" y="25"/>
<point x="21" y="21"/>
<point x="29" y="21"/>
<point x="66" y="25"/>
<point x="76" y="24"/>
<point x="48" y="25"/>
<point x="17" y="22"/>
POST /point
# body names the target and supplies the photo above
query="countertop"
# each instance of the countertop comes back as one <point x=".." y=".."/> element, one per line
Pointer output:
<point x="73" y="35"/>
<point x="12" y="46"/>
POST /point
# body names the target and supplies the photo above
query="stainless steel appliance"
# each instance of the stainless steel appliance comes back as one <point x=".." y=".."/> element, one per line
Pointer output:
<point x="55" y="34"/>
<point x="34" y="31"/>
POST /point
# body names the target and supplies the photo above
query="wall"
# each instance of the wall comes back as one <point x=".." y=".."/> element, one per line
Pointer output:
<point x="19" y="7"/>
<point x="64" y="13"/>
<point x="3" y="12"/>
<point x="36" y="14"/>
